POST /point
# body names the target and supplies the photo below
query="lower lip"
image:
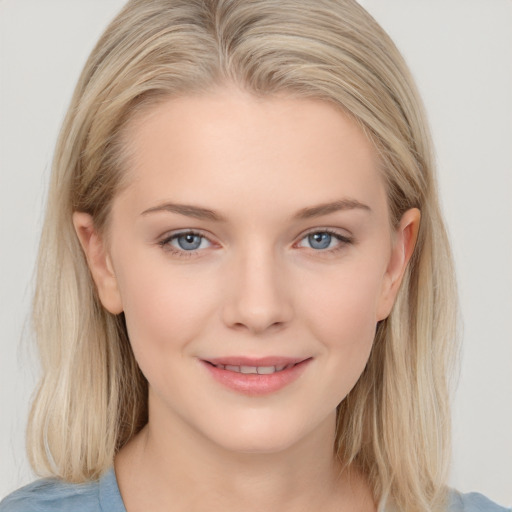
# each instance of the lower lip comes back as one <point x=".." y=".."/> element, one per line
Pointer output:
<point x="254" y="384"/>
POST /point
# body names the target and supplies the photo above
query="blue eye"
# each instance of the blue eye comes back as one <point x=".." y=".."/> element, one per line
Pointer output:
<point x="185" y="243"/>
<point x="320" y="240"/>
<point x="189" y="241"/>
<point x="324" y="241"/>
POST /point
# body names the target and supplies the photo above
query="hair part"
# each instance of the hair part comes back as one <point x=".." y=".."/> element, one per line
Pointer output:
<point x="394" y="424"/>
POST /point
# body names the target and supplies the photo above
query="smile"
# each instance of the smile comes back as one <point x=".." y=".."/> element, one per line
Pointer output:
<point x="256" y="377"/>
<point x="260" y="370"/>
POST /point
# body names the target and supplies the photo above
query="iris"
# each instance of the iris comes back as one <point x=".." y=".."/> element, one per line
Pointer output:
<point x="320" y="240"/>
<point x="189" y="241"/>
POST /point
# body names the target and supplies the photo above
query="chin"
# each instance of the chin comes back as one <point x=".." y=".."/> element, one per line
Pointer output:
<point x="267" y="435"/>
<point x="263" y="444"/>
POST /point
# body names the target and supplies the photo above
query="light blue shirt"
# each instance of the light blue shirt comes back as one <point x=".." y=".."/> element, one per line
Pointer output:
<point x="51" y="495"/>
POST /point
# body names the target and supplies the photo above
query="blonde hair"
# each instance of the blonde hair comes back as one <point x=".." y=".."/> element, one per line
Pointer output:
<point x="394" y="424"/>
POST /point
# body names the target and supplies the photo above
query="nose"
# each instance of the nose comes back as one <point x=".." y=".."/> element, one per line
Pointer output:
<point x="258" y="294"/>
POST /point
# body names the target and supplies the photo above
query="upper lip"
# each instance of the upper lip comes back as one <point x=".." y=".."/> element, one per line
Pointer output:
<point x="255" y="361"/>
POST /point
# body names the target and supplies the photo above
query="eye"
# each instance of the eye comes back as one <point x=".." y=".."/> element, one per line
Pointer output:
<point x="325" y="240"/>
<point x="185" y="243"/>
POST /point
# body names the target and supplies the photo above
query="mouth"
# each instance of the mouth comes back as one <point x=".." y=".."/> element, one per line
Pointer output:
<point x="256" y="376"/>
<point x="260" y="370"/>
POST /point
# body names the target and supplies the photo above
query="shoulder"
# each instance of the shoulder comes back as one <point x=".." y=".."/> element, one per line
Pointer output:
<point x="51" y="495"/>
<point x="473" y="502"/>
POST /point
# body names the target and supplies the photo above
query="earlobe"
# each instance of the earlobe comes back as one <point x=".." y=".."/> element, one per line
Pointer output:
<point x="99" y="262"/>
<point x="403" y="248"/>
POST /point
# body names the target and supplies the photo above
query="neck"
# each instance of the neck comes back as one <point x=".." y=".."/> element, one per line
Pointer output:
<point x="187" y="472"/>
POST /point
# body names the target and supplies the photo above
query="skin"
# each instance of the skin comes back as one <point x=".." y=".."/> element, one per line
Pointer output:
<point x="256" y="286"/>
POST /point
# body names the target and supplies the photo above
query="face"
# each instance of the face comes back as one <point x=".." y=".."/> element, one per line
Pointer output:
<point x="252" y="255"/>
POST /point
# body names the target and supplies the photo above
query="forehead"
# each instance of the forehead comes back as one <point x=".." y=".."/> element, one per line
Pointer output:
<point x="240" y="149"/>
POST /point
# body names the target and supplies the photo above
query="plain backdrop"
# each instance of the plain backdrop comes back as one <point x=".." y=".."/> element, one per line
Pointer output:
<point x="460" y="52"/>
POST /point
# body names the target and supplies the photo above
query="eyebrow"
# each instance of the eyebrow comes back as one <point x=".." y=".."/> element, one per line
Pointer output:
<point x="188" y="210"/>
<point x="198" y="212"/>
<point x="326" y="208"/>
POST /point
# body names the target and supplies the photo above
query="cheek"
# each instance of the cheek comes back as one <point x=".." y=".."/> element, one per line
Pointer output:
<point x="164" y="309"/>
<point x="342" y="316"/>
<point x="345" y="301"/>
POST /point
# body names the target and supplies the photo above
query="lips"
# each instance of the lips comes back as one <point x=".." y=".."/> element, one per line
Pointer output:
<point x="255" y="376"/>
<point x="275" y="361"/>
<point x="260" y="370"/>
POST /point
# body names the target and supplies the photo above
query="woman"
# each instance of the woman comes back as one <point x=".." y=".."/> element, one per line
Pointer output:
<point x="242" y="230"/>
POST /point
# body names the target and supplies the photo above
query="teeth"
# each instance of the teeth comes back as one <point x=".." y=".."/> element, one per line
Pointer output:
<point x="266" y="370"/>
<point x="248" y="369"/>
<point x="260" y="370"/>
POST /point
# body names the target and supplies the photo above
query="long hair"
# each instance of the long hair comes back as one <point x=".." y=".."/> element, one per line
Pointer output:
<point x="394" y="425"/>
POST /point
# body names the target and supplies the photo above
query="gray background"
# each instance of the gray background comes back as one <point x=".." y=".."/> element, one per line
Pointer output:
<point x="460" y="52"/>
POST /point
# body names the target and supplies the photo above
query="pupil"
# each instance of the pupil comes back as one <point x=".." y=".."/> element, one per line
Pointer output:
<point x="189" y="242"/>
<point x="320" y="240"/>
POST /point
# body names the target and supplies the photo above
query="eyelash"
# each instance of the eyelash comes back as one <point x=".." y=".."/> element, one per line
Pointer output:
<point x="165" y="243"/>
<point x="344" y="240"/>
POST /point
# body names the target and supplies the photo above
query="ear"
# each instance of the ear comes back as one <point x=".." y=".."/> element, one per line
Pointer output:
<point x="99" y="262"/>
<point x="403" y="246"/>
